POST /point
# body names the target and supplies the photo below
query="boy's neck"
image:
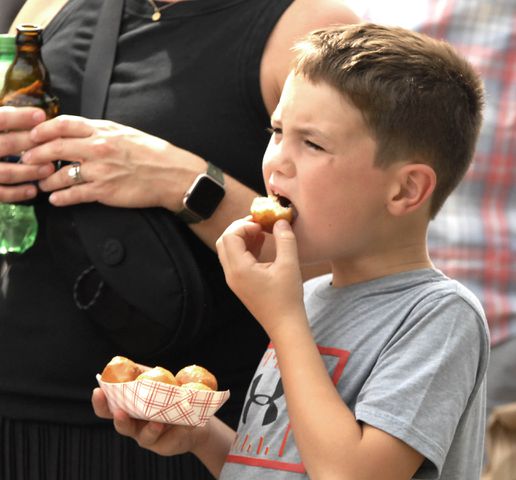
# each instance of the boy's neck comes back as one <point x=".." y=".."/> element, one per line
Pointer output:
<point x="403" y="258"/>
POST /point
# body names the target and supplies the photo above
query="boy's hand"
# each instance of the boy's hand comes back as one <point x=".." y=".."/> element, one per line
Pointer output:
<point x="158" y="437"/>
<point x="272" y="291"/>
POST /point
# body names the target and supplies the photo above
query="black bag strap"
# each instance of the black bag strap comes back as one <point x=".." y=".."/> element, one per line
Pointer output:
<point x="153" y="285"/>
<point x="101" y="58"/>
<point x="94" y="88"/>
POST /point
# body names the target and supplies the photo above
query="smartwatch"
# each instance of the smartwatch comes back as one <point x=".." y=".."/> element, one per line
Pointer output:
<point x="204" y="196"/>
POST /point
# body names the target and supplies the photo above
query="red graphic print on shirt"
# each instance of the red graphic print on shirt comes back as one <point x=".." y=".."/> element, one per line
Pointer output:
<point x="264" y="437"/>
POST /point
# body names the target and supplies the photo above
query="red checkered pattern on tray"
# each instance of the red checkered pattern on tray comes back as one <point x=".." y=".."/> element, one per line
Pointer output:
<point x="473" y="239"/>
<point x="160" y="402"/>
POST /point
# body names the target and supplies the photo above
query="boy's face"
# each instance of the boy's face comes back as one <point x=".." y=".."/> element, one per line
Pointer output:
<point x="321" y="158"/>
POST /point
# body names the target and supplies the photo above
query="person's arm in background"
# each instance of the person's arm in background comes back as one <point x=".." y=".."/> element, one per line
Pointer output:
<point x="38" y="12"/>
<point x="8" y="10"/>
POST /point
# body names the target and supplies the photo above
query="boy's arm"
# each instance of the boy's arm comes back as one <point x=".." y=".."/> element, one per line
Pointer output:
<point x="213" y="445"/>
<point x="332" y="444"/>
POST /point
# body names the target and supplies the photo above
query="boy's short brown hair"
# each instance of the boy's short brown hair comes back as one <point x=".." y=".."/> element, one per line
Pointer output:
<point x="420" y="99"/>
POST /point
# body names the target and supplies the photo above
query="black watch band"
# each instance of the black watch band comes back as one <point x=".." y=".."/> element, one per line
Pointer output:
<point x="204" y="196"/>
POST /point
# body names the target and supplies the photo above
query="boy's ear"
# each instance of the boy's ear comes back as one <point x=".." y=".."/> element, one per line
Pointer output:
<point x="413" y="185"/>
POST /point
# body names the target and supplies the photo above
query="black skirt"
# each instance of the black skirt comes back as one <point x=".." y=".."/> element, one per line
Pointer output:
<point x="45" y="451"/>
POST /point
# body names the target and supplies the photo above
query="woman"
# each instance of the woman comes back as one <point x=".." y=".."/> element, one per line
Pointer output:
<point x="201" y="82"/>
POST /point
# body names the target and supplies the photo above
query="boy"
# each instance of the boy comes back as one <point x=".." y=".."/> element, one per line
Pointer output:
<point x="378" y="373"/>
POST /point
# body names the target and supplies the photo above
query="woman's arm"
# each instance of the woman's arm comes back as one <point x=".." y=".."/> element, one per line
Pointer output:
<point x="301" y="17"/>
<point x="38" y="12"/>
<point x="165" y="172"/>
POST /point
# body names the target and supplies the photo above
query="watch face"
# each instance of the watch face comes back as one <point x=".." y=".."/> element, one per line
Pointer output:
<point x="205" y="197"/>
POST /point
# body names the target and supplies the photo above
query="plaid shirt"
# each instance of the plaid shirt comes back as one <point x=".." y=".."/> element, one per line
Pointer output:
<point x="473" y="238"/>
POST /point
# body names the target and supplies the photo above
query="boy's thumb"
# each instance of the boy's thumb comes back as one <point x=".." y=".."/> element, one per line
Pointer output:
<point x="286" y="246"/>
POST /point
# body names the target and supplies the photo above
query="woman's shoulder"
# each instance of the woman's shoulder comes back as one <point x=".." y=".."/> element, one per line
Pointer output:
<point x="301" y="17"/>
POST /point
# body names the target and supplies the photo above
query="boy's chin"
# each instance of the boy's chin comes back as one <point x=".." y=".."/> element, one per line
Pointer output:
<point x="308" y="259"/>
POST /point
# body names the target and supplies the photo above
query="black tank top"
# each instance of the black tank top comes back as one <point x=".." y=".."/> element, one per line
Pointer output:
<point x="192" y="78"/>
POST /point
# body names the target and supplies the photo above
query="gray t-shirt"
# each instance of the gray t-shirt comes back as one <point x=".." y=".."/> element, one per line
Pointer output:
<point x="407" y="353"/>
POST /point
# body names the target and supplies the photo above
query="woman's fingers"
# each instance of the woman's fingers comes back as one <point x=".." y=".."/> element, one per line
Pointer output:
<point x="68" y="149"/>
<point x="17" y="181"/>
<point x="12" y="174"/>
<point x="63" y="126"/>
<point x="69" y="186"/>
<point x="17" y="194"/>
<point x="14" y="142"/>
<point x="20" y="118"/>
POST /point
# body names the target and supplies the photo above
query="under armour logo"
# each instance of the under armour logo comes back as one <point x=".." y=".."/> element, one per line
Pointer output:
<point x="263" y="400"/>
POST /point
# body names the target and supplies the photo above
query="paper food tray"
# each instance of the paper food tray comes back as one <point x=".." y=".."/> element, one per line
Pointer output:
<point x="161" y="402"/>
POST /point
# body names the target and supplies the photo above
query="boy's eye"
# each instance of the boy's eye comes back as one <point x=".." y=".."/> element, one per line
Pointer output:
<point x="273" y="130"/>
<point x="313" y="145"/>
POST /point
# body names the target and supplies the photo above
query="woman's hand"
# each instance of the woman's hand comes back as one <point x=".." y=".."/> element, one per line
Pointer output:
<point x="272" y="291"/>
<point x="119" y="165"/>
<point x="16" y="178"/>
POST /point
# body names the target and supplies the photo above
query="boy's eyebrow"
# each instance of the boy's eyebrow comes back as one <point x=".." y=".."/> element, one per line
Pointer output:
<point x="306" y="131"/>
<point x="310" y="131"/>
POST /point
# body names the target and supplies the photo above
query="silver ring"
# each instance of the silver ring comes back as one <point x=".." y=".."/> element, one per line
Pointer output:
<point x="74" y="172"/>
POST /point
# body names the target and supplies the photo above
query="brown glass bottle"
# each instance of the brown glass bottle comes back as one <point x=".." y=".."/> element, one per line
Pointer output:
<point x="27" y="82"/>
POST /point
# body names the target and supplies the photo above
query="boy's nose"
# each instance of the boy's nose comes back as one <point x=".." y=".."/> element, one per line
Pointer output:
<point x="279" y="159"/>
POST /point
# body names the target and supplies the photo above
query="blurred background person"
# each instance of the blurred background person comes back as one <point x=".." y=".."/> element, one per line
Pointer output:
<point x="9" y="10"/>
<point x="474" y="237"/>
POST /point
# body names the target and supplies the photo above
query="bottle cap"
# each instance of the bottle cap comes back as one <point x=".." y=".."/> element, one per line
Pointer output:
<point x="29" y="33"/>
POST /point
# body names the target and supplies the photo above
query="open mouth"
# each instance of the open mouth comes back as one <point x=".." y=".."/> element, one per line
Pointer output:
<point x="283" y="201"/>
<point x="286" y="203"/>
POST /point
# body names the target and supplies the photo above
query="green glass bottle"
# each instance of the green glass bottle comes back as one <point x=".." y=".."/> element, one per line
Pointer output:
<point x="25" y="82"/>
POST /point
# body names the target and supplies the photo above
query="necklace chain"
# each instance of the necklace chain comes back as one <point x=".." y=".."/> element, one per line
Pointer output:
<point x="157" y="10"/>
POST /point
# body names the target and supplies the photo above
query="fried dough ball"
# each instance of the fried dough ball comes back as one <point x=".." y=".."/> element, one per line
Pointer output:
<point x="196" y="374"/>
<point x="158" y="374"/>
<point x="267" y="211"/>
<point x="120" y="369"/>
<point x="196" y="386"/>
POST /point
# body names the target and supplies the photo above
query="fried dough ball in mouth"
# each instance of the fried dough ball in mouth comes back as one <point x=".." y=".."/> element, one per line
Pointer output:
<point x="268" y="210"/>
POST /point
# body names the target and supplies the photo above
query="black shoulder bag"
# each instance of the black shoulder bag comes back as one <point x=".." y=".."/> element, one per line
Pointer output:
<point x="150" y="295"/>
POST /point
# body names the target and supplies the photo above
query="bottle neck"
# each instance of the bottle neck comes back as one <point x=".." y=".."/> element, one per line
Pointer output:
<point x="29" y="50"/>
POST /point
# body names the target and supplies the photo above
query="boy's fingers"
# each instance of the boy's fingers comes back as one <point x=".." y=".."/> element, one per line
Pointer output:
<point x="126" y="425"/>
<point x="145" y="433"/>
<point x="286" y="246"/>
<point x="100" y="404"/>
<point x="150" y="434"/>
